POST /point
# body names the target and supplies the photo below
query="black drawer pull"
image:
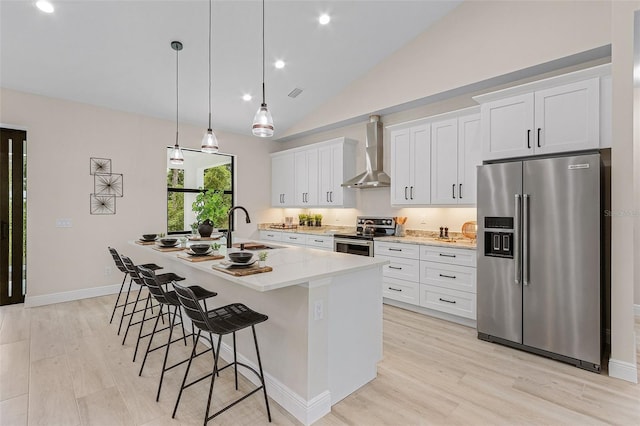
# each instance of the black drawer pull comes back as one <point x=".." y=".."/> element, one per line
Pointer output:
<point x="395" y="267"/>
<point x="448" y="301"/>
<point x="446" y="255"/>
<point x="394" y="289"/>
<point x="319" y="241"/>
<point x="394" y="249"/>
<point x="448" y="276"/>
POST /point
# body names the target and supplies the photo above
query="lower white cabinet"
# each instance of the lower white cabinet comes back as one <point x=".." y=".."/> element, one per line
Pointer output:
<point x="294" y="238"/>
<point x="454" y="302"/>
<point x="404" y="291"/>
<point x="401" y="277"/>
<point x="271" y="236"/>
<point x="321" y="242"/>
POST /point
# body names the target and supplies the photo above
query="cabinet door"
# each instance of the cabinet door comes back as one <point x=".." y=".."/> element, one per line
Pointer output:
<point x="568" y="117"/>
<point x="400" y="170"/>
<point x="444" y="162"/>
<point x="282" y="175"/>
<point x="469" y="157"/>
<point x="507" y="127"/>
<point x="420" y="165"/>
<point x="306" y="177"/>
<point x="325" y="175"/>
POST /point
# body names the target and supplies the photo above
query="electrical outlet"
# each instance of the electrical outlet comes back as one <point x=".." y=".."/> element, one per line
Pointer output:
<point x="423" y="220"/>
<point x="318" y="310"/>
<point x="108" y="271"/>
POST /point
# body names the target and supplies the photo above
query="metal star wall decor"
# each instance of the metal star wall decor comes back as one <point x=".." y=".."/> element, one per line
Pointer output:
<point x="106" y="187"/>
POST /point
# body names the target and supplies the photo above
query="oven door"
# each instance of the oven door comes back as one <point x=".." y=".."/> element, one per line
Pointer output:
<point x="351" y="246"/>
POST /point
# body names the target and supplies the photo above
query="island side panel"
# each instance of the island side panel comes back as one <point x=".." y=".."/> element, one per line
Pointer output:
<point x="354" y="314"/>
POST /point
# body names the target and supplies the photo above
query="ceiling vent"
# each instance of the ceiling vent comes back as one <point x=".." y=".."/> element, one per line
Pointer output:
<point x="294" y="93"/>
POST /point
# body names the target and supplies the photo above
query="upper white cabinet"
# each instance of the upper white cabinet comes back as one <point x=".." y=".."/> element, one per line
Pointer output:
<point x="455" y="153"/>
<point x="312" y="175"/>
<point x="410" y="165"/>
<point x="306" y="177"/>
<point x="282" y="188"/>
<point x="559" y="114"/>
<point x="333" y="170"/>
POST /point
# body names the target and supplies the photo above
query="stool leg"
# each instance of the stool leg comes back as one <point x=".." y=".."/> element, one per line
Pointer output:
<point x="144" y="316"/>
<point x="186" y="373"/>
<point x="166" y="352"/>
<point x="235" y="361"/>
<point x="126" y="303"/>
<point x="113" y="313"/>
<point x="264" y="388"/>
<point x="213" y="376"/>
<point x="153" y="333"/>
<point x="184" y="333"/>
<point x="135" y="306"/>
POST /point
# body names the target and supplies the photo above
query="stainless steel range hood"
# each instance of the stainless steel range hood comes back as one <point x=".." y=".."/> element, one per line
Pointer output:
<point x="374" y="176"/>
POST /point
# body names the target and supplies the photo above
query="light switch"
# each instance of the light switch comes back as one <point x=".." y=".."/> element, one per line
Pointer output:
<point x="63" y="223"/>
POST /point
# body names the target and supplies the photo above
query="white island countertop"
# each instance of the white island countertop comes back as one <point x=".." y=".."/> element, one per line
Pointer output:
<point x="291" y="266"/>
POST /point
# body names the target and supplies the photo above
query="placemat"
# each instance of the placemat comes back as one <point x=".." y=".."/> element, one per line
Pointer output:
<point x="200" y="258"/>
<point x="145" y="243"/>
<point x="166" y="249"/>
<point x="241" y="272"/>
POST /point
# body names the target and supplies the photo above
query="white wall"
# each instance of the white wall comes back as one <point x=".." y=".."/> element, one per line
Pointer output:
<point x="62" y="136"/>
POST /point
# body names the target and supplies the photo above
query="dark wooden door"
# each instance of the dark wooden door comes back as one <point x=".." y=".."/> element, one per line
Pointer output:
<point x="12" y="215"/>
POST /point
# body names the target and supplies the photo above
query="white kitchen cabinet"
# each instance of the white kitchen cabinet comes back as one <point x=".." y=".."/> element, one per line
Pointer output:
<point x="410" y="165"/>
<point x="294" y="238"/>
<point x="561" y="118"/>
<point x="456" y="149"/>
<point x="270" y="235"/>
<point x="306" y="177"/>
<point x="401" y="277"/>
<point x="282" y="178"/>
<point x="453" y="302"/>
<point x="449" y="255"/>
<point x="336" y="164"/>
<point x="320" y="242"/>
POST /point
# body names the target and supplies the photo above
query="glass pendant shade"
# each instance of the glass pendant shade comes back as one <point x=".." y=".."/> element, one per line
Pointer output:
<point x="209" y="142"/>
<point x="177" y="157"/>
<point x="262" y="123"/>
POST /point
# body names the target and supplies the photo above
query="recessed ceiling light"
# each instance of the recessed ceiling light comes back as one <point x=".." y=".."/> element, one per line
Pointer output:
<point x="324" y="19"/>
<point x="246" y="97"/>
<point x="279" y="64"/>
<point x="44" y="6"/>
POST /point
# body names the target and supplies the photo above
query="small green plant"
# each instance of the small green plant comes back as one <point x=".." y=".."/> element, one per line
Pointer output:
<point x="318" y="219"/>
<point x="262" y="256"/>
<point x="215" y="246"/>
<point x="302" y="219"/>
<point x="161" y="234"/>
<point x="210" y="205"/>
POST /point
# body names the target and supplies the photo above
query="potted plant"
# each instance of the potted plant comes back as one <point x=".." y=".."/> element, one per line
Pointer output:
<point x="215" y="247"/>
<point x="262" y="258"/>
<point x="318" y="219"/>
<point x="302" y="219"/>
<point x="210" y="209"/>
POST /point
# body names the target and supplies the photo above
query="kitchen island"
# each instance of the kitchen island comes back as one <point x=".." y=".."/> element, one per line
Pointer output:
<point x="323" y="339"/>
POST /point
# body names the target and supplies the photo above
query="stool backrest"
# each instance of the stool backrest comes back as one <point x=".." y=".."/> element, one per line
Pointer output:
<point x="117" y="260"/>
<point x="132" y="269"/>
<point x="191" y="306"/>
<point x="155" y="288"/>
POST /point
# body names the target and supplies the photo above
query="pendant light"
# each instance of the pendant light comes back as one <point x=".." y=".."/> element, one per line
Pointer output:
<point x="263" y="122"/>
<point x="176" y="157"/>
<point x="209" y="141"/>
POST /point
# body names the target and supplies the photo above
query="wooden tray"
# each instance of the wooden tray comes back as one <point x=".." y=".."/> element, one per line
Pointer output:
<point x="205" y="238"/>
<point x="241" y="272"/>
<point x="166" y="249"/>
<point x="251" y="246"/>
<point x="145" y="243"/>
<point x="200" y="258"/>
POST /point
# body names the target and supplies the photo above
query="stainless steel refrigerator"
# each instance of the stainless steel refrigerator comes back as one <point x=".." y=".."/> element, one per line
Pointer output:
<point x="539" y="257"/>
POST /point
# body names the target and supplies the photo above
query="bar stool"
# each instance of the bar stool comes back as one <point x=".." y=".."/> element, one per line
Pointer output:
<point x="168" y="299"/>
<point x="121" y="268"/>
<point x="220" y="321"/>
<point x="164" y="279"/>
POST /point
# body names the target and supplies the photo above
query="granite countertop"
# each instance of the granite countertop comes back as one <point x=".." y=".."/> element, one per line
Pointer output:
<point x="313" y="230"/>
<point x="461" y="243"/>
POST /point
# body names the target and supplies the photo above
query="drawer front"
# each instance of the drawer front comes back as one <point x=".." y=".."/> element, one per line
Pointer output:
<point x="461" y="278"/>
<point x="270" y="236"/>
<point x="451" y="301"/>
<point x="291" y="238"/>
<point x="407" y="251"/>
<point x="454" y="256"/>
<point x="319" y="241"/>
<point x="402" y="269"/>
<point x="403" y="291"/>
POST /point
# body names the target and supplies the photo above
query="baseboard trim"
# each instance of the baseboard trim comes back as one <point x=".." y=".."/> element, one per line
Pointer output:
<point x="623" y="370"/>
<point x="305" y="411"/>
<point x="636" y="310"/>
<point x="68" y="296"/>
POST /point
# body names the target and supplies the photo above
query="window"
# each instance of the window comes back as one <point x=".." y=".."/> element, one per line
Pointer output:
<point x="200" y="172"/>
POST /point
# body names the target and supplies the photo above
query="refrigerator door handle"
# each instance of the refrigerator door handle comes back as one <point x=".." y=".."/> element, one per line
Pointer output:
<point x="525" y="239"/>
<point x="516" y="238"/>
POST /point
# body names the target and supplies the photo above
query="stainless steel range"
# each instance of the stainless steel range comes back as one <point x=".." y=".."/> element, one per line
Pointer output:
<point x="361" y="241"/>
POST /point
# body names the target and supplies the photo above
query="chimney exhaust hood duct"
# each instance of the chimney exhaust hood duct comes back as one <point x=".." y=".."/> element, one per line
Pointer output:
<point x="374" y="176"/>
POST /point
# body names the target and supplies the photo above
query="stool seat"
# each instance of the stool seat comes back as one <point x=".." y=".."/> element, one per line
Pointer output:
<point x="234" y="317"/>
<point x="166" y="278"/>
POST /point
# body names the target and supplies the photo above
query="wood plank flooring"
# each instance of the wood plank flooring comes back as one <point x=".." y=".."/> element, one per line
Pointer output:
<point x="64" y="365"/>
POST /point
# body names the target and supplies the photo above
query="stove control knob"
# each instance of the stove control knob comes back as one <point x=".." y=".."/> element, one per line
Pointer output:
<point x="388" y="221"/>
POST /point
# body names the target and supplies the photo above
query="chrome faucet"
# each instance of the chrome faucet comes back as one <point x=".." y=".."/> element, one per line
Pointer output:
<point x="231" y="210"/>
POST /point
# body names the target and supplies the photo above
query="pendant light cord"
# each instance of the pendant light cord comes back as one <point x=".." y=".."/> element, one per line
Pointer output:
<point x="209" y="128"/>
<point x="177" y="94"/>
<point x="263" y="96"/>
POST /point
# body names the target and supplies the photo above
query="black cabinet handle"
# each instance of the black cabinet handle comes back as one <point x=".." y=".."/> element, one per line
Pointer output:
<point x="331" y="196"/>
<point x="539" y="136"/>
<point x="319" y="241"/>
<point x="411" y="193"/>
<point x="446" y="255"/>
<point x="448" y="301"/>
<point x="394" y="289"/>
<point x="453" y="191"/>
<point x="395" y="267"/>
<point x="529" y="138"/>
<point x="394" y="249"/>
<point x="460" y="191"/>
<point x="405" y="192"/>
<point x="448" y="276"/>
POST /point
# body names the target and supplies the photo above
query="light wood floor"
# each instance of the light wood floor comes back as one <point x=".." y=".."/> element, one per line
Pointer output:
<point x="63" y="365"/>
